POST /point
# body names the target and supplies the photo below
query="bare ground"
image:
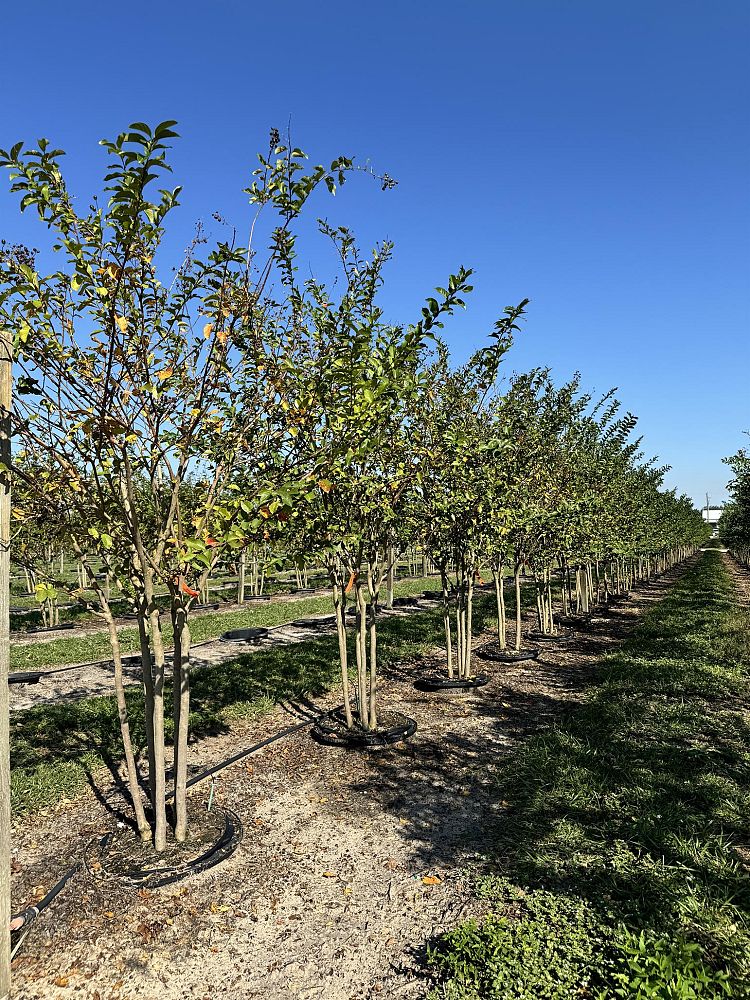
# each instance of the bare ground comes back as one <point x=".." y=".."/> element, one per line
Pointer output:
<point x="326" y="896"/>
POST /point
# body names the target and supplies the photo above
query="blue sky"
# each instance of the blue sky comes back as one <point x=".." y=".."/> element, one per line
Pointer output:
<point x="591" y="156"/>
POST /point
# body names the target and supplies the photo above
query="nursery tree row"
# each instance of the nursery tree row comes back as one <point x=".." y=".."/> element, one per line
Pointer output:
<point x="734" y="524"/>
<point x="168" y="420"/>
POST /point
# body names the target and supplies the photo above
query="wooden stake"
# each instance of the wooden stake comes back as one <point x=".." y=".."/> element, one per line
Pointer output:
<point x="6" y="391"/>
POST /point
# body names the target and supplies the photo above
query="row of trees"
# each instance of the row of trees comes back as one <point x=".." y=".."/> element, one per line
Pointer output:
<point x="169" y="421"/>
<point x="734" y="524"/>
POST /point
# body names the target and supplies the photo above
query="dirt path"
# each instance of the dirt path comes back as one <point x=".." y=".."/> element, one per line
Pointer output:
<point x="325" y="898"/>
<point x="740" y="577"/>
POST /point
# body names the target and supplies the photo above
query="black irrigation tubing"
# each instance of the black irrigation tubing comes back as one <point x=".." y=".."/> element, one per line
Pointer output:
<point x="227" y="843"/>
<point x="224" y="847"/>
<point x="215" y="769"/>
<point x="96" y="663"/>
<point x="32" y="912"/>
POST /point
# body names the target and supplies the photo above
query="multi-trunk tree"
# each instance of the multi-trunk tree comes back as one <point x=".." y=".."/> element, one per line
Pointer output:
<point x="145" y="396"/>
<point x="460" y="446"/>
<point x="364" y="381"/>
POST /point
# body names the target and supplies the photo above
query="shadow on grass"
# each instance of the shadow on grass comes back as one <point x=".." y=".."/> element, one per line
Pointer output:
<point x="57" y="748"/>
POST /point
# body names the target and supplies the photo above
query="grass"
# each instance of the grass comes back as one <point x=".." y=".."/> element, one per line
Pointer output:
<point x="26" y="613"/>
<point x="57" y="749"/>
<point x="95" y="646"/>
<point x="630" y="818"/>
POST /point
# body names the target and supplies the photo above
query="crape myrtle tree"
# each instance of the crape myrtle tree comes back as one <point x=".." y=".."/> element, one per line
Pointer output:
<point x="515" y="413"/>
<point x="594" y="443"/>
<point x="459" y="445"/>
<point x="606" y="457"/>
<point x="538" y="417"/>
<point x="364" y="383"/>
<point x="558" y="494"/>
<point x="669" y="530"/>
<point x="734" y="524"/>
<point x="143" y="391"/>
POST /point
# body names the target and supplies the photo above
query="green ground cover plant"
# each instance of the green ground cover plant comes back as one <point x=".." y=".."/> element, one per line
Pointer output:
<point x="629" y="816"/>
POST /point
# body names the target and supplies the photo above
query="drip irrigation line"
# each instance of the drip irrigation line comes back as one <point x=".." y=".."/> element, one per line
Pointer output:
<point x="210" y="772"/>
<point x="32" y="912"/>
<point x="225" y="846"/>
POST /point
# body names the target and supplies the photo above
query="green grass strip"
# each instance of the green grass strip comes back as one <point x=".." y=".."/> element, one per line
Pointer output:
<point x="85" y="648"/>
<point x="622" y="863"/>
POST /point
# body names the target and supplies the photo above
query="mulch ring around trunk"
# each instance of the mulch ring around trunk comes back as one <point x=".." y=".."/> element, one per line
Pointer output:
<point x="393" y="727"/>
<point x="121" y="856"/>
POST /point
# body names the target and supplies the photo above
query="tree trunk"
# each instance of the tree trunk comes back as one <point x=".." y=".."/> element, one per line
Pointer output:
<point x="502" y="615"/>
<point x="144" y="830"/>
<point x="361" y="649"/>
<point x="469" y="610"/>
<point x="540" y="616"/>
<point x="241" y="578"/>
<point x="373" y="584"/>
<point x="339" y="607"/>
<point x="459" y="629"/>
<point x="147" y="678"/>
<point x="157" y="664"/>
<point x="447" y="620"/>
<point x="550" y="604"/>
<point x="182" y="640"/>
<point x="517" y="579"/>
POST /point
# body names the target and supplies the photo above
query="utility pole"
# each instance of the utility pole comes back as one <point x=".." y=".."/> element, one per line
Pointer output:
<point x="6" y="392"/>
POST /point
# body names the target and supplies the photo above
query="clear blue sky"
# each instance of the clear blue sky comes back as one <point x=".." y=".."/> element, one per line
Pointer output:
<point x="593" y="156"/>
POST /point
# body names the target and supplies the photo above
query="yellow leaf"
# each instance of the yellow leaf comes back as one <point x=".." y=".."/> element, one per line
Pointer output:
<point x="207" y="330"/>
<point x="221" y="336"/>
<point x="325" y="485"/>
<point x="122" y="323"/>
<point x="164" y="373"/>
<point x="329" y="874"/>
<point x="431" y="880"/>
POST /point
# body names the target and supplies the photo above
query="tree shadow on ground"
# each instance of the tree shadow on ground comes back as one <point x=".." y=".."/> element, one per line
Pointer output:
<point x="56" y="747"/>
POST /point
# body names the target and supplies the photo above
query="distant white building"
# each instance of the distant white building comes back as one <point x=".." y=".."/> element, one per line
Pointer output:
<point x="711" y="516"/>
